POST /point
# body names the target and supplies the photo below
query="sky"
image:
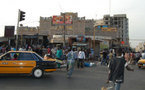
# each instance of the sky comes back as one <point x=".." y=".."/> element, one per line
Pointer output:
<point x="91" y="9"/>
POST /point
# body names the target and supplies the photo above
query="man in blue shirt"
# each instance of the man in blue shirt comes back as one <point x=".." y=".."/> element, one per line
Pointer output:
<point x="70" y="62"/>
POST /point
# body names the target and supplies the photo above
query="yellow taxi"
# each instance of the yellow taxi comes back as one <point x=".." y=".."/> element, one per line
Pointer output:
<point x="29" y="62"/>
<point x="141" y="63"/>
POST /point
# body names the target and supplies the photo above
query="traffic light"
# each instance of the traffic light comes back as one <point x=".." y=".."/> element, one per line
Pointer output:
<point x="22" y="16"/>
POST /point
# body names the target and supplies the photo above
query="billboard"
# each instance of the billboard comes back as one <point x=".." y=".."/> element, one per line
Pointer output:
<point x="57" y="20"/>
<point x="68" y="19"/>
<point x="60" y="19"/>
<point x="9" y="31"/>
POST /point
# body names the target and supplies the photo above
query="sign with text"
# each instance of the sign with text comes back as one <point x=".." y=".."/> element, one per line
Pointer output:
<point x="105" y="28"/>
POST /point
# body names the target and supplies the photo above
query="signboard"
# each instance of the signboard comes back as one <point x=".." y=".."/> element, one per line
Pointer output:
<point x="68" y="19"/>
<point x="9" y="31"/>
<point x="57" y="20"/>
<point x="60" y="19"/>
<point x="81" y="38"/>
<point x="69" y="27"/>
<point x="105" y="28"/>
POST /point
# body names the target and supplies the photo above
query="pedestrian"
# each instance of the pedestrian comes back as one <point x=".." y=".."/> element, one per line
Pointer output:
<point x="30" y="48"/>
<point x="110" y="57"/>
<point x="70" y="62"/>
<point x="48" y="50"/>
<point x="76" y="55"/>
<point x="59" y="53"/>
<point x="81" y="58"/>
<point x="53" y="52"/>
<point x="116" y="69"/>
<point x="104" y="60"/>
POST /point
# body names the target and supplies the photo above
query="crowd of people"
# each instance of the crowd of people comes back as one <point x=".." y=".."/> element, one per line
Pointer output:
<point x="71" y="55"/>
<point x="116" y="60"/>
<point x="132" y="57"/>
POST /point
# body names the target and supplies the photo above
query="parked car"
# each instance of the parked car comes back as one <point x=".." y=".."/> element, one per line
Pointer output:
<point x="29" y="62"/>
<point x="141" y="63"/>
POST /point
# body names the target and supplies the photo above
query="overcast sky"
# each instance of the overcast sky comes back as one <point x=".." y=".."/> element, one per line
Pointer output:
<point x="91" y="9"/>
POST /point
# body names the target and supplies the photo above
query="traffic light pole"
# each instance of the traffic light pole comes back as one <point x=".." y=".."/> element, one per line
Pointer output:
<point x="17" y="30"/>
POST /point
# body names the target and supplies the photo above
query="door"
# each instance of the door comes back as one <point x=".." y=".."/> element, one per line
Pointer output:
<point x="26" y="62"/>
<point x="7" y="65"/>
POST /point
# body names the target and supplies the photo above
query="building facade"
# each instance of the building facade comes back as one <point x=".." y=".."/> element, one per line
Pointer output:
<point x="140" y="47"/>
<point x="116" y="31"/>
<point x="120" y="21"/>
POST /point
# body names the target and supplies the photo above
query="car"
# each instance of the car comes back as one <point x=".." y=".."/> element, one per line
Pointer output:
<point x="25" y="62"/>
<point x="141" y="63"/>
<point x="60" y="63"/>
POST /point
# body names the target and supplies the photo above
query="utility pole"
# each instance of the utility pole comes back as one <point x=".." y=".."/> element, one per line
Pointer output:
<point x="64" y="42"/>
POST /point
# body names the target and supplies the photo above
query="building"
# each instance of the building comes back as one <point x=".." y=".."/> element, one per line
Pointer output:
<point x="120" y="21"/>
<point x="30" y="36"/>
<point x="48" y="28"/>
<point x="72" y="30"/>
<point x="101" y="29"/>
<point x="140" y="47"/>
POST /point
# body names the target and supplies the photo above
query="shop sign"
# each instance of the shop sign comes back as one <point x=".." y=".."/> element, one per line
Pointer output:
<point x="81" y="38"/>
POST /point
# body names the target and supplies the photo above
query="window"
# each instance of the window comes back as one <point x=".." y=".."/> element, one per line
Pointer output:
<point x="25" y="56"/>
<point x="6" y="57"/>
<point x="106" y="18"/>
<point x="38" y="58"/>
<point x="106" y="23"/>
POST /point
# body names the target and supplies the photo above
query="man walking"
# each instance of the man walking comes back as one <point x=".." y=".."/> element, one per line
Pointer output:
<point x="81" y="57"/>
<point x="104" y="60"/>
<point x="70" y="62"/>
<point x="116" y="69"/>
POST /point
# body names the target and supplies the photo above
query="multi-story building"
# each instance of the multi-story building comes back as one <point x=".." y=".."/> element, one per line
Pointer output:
<point x="120" y="21"/>
<point x="140" y="47"/>
<point x="89" y="26"/>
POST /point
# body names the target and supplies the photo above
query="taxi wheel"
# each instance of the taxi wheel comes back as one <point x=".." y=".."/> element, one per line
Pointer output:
<point x="37" y="73"/>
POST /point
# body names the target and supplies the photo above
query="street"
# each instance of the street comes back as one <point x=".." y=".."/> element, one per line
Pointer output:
<point x="89" y="78"/>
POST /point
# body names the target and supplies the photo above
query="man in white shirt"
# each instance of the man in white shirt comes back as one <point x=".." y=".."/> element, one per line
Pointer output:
<point x="81" y="57"/>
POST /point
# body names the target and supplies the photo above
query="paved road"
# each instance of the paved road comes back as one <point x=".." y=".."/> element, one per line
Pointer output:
<point x="83" y="79"/>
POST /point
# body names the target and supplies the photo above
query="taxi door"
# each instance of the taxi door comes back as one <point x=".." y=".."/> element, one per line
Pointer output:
<point x="7" y="65"/>
<point x="26" y="63"/>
